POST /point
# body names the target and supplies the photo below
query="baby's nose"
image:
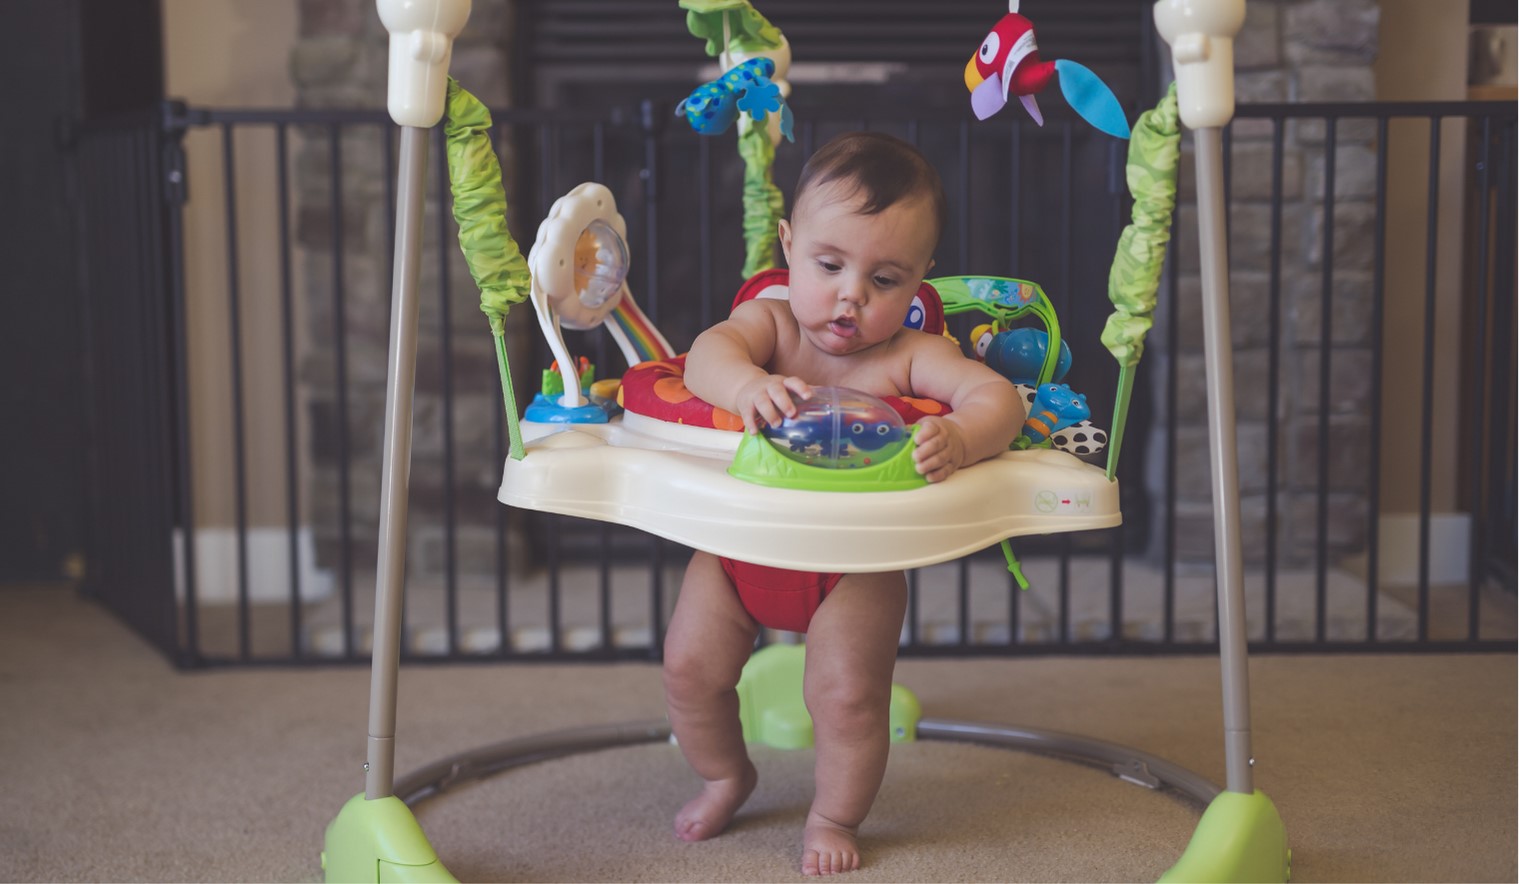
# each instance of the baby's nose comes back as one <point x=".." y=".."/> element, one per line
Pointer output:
<point x="852" y="290"/>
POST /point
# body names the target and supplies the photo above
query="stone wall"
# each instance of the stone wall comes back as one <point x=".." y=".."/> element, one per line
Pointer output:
<point x="340" y="61"/>
<point x="1288" y="51"/>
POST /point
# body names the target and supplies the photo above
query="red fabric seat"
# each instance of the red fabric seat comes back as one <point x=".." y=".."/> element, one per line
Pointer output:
<point x="658" y="389"/>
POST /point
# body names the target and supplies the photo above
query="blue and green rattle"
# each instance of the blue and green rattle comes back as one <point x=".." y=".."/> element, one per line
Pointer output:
<point x="712" y="107"/>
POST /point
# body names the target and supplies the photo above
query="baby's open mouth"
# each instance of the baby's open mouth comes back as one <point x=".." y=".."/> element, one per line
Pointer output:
<point x="844" y="327"/>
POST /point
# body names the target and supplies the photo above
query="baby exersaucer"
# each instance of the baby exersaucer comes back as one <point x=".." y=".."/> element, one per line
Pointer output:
<point x="661" y="461"/>
<point x="562" y="466"/>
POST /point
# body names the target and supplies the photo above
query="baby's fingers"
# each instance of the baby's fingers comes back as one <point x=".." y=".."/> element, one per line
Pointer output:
<point x="927" y="445"/>
<point x="799" y="387"/>
<point x="929" y="429"/>
<point x="935" y="466"/>
<point x="930" y="455"/>
<point x="780" y="397"/>
<point x="767" y="411"/>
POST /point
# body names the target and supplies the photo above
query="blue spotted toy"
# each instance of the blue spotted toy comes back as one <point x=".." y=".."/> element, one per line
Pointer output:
<point x="746" y="88"/>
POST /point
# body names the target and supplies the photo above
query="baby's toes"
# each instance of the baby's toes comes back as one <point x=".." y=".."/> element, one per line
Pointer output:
<point x="810" y="863"/>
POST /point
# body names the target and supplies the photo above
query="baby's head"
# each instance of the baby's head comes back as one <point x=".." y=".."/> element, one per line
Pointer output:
<point x="865" y="220"/>
<point x="877" y="170"/>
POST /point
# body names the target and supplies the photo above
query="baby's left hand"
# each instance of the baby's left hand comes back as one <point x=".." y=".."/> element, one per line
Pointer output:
<point x="941" y="448"/>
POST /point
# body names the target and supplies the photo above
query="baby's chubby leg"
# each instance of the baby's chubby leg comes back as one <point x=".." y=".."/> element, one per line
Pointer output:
<point x="851" y="651"/>
<point x="709" y="640"/>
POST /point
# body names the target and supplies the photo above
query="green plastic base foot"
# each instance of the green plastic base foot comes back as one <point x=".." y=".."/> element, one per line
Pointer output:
<point x="772" y="710"/>
<point x="1240" y="838"/>
<point x="379" y="840"/>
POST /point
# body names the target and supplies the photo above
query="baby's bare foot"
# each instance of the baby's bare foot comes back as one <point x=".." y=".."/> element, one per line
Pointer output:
<point x="827" y="847"/>
<point x="710" y="812"/>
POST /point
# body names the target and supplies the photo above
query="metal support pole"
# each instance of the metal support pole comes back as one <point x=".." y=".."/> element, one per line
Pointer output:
<point x="396" y="467"/>
<point x="1218" y="355"/>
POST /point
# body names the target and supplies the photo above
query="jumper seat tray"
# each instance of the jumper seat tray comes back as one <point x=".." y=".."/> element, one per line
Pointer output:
<point x="672" y="481"/>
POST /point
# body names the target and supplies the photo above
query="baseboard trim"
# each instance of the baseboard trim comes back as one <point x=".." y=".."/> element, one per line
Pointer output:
<point x="216" y="566"/>
<point x="1398" y="548"/>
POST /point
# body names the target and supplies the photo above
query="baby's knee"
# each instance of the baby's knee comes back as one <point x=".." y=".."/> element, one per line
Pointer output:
<point x="848" y="705"/>
<point x="688" y="672"/>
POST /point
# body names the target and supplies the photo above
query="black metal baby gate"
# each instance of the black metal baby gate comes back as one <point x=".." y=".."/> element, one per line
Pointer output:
<point x="235" y="265"/>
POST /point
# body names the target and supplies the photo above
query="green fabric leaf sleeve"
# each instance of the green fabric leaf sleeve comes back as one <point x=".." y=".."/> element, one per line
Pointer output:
<point x="480" y="208"/>
<point x="1154" y="152"/>
<point x="747" y="30"/>
<point x="763" y="201"/>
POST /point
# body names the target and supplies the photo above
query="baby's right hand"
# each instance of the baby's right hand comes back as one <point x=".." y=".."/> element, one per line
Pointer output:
<point x="768" y="400"/>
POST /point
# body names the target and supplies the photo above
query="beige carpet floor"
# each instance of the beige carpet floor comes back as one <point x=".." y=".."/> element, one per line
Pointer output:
<point x="114" y="767"/>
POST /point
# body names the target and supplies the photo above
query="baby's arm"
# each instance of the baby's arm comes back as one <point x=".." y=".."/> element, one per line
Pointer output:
<point x="988" y="412"/>
<point x="726" y="368"/>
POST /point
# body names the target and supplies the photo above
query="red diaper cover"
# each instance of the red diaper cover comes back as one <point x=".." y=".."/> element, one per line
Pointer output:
<point x="776" y="597"/>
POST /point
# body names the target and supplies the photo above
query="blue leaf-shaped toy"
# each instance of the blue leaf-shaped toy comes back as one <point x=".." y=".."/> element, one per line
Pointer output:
<point x="1091" y="98"/>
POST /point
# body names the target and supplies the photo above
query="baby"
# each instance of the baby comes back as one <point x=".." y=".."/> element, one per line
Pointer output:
<point x="866" y="217"/>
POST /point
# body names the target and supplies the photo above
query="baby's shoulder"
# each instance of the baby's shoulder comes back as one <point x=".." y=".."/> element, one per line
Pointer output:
<point x="919" y="343"/>
<point x="771" y="307"/>
<point x="771" y="314"/>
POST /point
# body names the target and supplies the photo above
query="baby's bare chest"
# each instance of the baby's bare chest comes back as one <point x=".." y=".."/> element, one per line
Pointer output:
<point x="883" y="371"/>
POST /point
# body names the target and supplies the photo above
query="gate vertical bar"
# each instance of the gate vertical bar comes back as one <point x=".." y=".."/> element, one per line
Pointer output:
<point x="446" y="380"/>
<point x="287" y="358"/>
<point x="235" y="354"/>
<point x="652" y="124"/>
<point x="1326" y="339"/>
<point x="503" y="595"/>
<point x="176" y="194"/>
<point x="340" y="358"/>
<point x="1479" y="402"/>
<point x="1426" y="433"/>
<point x="1274" y="369"/>
<point x="1374" y="469"/>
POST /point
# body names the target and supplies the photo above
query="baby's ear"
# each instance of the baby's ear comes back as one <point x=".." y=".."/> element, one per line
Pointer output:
<point x="784" y="229"/>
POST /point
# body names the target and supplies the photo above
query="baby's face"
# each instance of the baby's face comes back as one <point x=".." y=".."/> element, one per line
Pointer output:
<point x="853" y="276"/>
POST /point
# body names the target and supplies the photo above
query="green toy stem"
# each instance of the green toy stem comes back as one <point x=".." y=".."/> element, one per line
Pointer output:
<point x="1014" y="566"/>
<point x="513" y="427"/>
<point x="1120" y="415"/>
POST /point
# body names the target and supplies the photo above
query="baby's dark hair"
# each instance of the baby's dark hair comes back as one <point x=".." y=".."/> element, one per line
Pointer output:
<point x="886" y="169"/>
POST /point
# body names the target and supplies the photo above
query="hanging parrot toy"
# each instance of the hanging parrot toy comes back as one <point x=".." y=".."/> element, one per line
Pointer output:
<point x="1008" y="64"/>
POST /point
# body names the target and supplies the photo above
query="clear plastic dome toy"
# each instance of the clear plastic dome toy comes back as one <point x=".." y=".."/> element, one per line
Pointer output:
<point x="840" y="428"/>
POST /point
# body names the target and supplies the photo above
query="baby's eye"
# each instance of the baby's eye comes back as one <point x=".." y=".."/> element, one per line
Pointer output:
<point x="885" y="282"/>
<point x="829" y="266"/>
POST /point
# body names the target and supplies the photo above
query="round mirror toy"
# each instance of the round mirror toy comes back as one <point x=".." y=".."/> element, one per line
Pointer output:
<point x="840" y="428"/>
<point x="601" y="263"/>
